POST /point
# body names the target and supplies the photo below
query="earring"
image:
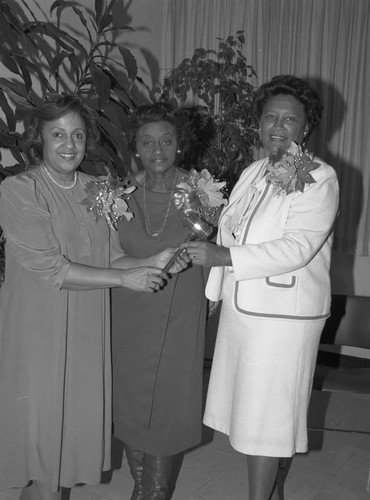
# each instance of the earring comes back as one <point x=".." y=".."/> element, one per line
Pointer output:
<point x="179" y="151"/>
<point x="137" y="155"/>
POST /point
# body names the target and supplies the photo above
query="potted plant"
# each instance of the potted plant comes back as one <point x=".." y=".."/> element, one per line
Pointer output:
<point x="42" y="58"/>
<point x="219" y="82"/>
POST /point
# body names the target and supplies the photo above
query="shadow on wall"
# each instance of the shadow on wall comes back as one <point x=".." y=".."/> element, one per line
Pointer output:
<point x="149" y="69"/>
<point x="350" y="184"/>
<point x="349" y="323"/>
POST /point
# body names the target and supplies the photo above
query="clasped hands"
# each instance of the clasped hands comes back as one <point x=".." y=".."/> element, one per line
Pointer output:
<point x="156" y="276"/>
<point x="198" y="252"/>
<point x="207" y="254"/>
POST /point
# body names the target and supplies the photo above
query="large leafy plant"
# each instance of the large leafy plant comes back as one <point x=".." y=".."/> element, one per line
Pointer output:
<point x="220" y="82"/>
<point x="41" y="57"/>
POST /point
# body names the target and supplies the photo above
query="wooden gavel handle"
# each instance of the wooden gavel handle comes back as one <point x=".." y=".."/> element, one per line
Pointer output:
<point x="171" y="262"/>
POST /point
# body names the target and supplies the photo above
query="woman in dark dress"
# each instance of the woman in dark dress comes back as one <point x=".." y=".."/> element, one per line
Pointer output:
<point x="157" y="340"/>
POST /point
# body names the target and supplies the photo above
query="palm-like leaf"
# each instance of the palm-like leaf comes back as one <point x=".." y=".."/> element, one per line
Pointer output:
<point x="91" y="64"/>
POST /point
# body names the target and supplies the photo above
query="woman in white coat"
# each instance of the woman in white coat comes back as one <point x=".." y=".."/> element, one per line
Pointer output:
<point x="270" y="269"/>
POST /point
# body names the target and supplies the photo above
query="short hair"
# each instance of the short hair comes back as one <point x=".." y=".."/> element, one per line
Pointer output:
<point x="296" y="87"/>
<point x="52" y="108"/>
<point x="150" y="113"/>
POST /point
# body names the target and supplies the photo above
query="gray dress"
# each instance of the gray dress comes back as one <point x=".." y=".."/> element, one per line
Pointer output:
<point x="55" y="361"/>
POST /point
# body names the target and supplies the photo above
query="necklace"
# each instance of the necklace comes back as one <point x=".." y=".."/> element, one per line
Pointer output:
<point x="155" y="235"/>
<point x="57" y="183"/>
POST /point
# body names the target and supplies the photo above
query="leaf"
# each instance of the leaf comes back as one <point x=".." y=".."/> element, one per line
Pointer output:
<point x="22" y="65"/>
<point x="14" y="92"/>
<point x="9" y="25"/>
<point x="306" y="177"/>
<point x="8" y="112"/>
<point x="122" y="28"/>
<point x="11" y="170"/>
<point x="130" y="62"/>
<point x="28" y="66"/>
<point x="75" y="65"/>
<point x="105" y="21"/>
<point x="7" y="60"/>
<point x="57" y="61"/>
<point x="61" y="4"/>
<point x="102" y="85"/>
<point x="99" y="7"/>
<point x="6" y="140"/>
<point x="277" y="156"/>
<point x="56" y="33"/>
<point x="312" y="165"/>
<point x="300" y="185"/>
<point x="16" y="152"/>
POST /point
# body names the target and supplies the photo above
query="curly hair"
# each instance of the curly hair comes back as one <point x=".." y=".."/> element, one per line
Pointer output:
<point x="52" y="108"/>
<point x="150" y="113"/>
<point x="296" y="87"/>
<point x="195" y="129"/>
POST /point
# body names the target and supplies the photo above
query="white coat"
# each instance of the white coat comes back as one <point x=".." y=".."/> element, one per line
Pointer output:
<point x="281" y="256"/>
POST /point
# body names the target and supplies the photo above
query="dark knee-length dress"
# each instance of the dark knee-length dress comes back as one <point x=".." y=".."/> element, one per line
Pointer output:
<point x="158" y="342"/>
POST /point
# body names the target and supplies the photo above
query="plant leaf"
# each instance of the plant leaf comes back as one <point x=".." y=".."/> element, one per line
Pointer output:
<point x="57" y="61"/>
<point x="130" y="62"/>
<point x="61" y="4"/>
<point x="102" y="85"/>
<point x="6" y="140"/>
<point x="99" y="8"/>
<point x="105" y="21"/>
<point x="7" y="110"/>
<point x="59" y="35"/>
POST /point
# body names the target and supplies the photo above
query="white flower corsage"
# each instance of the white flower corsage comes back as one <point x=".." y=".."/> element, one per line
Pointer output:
<point x="289" y="169"/>
<point x="199" y="192"/>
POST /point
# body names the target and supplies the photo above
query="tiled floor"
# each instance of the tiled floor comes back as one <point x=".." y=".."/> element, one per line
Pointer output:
<point x="337" y="466"/>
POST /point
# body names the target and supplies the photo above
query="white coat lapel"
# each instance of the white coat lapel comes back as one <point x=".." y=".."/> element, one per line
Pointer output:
<point x="253" y="175"/>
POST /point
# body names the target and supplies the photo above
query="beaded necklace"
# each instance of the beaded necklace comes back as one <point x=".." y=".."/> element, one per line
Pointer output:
<point x="155" y="234"/>
<point x="57" y="183"/>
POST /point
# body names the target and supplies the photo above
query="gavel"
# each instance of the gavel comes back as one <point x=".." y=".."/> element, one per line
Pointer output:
<point x="199" y="230"/>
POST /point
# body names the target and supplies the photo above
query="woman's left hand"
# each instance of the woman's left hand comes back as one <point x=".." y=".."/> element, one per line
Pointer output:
<point x="207" y="254"/>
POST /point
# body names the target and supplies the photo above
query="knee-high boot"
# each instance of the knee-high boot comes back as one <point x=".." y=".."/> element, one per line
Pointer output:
<point x="135" y="460"/>
<point x="156" y="475"/>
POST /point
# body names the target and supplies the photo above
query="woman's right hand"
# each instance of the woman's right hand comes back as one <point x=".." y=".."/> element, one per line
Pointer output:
<point x="143" y="279"/>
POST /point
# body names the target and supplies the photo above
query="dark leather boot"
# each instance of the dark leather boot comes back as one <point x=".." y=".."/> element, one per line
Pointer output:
<point x="135" y="460"/>
<point x="156" y="475"/>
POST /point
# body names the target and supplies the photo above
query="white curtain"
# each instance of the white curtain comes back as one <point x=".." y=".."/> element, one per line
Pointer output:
<point x="325" y="41"/>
